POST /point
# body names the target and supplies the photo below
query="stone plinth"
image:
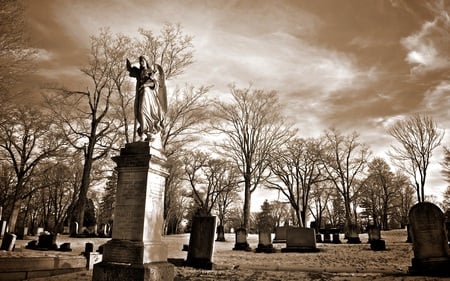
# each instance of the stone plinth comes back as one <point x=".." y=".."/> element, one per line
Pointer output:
<point x="136" y="251"/>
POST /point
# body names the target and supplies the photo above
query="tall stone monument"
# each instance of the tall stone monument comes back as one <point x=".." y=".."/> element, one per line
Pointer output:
<point x="136" y="251"/>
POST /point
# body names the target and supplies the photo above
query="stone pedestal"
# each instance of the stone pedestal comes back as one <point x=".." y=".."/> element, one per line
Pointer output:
<point x="136" y="251"/>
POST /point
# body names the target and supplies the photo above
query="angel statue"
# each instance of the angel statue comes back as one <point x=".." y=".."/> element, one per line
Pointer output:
<point x="150" y="105"/>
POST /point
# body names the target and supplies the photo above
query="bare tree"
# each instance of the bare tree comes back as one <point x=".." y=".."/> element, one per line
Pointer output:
<point x="320" y="195"/>
<point x="207" y="178"/>
<point x="417" y="137"/>
<point x="28" y="138"/>
<point x="188" y="110"/>
<point x="296" y="167"/>
<point x="171" y="49"/>
<point x="253" y="127"/>
<point x="86" y="115"/>
<point x="378" y="192"/>
<point x="446" y="165"/>
<point x="16" y="55"/>
<point x="344" y="160"/>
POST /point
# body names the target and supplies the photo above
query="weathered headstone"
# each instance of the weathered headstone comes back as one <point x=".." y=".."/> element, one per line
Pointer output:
<point x="39" y="230"/>
<point x="3" y="227"/>
<point x="353" y="234"/>
<point x="319" y="238"/>
<point x="336" y="239"/>
<point x="220" y="233"/>
<point x="241" y="243"/>
<point x="8" y="242"/>
<point x="201" y="242"/>
<point x="265" y="242"/>
<point x="327" y="237"/>
<point x="47" y="242"/>
<point x="300" y="239"/>
<point x="136" y="250"/>
<point x="88" y="248"/>
<point x="74" y="229"/>
<point x="280" y="234"/>
<point x="65" y="247"/>
<point x="430" y="243"/>
<point x="373" y="232"/>
<point x="22" y="231"/>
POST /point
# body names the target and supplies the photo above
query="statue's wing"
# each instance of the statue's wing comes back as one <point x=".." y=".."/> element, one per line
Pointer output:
<point x="162" y="91"/>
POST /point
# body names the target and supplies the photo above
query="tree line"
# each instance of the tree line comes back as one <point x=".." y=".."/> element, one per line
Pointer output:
<point x="55" y="166"/>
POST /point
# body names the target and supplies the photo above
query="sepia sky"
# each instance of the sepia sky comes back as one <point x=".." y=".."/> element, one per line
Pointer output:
<point x="357" y="65"/>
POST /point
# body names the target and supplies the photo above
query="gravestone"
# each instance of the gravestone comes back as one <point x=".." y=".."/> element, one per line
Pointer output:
<point x="201" y="242"/>
<point x="136" y="251"/>
<point x="265" y="242"/>
<point x="429" y="238"/>
<point x="280" y="234"/>
<point x="353" y="234"/>
<point x="241" y="243"/>
<point x="65" y="247"/>
<point x="336" y="239"/>
<point x="319" y="238"/>
<point x="8" y="242"/>
<point x="74" y="229"/>
<point x="39" y="230"/>
<point x="3" y="227"/>
<point x="22" y="231"/>
<point x="373" y="232"/>
<point x="88" y="248"/>
<point x="327" y="237"/>
<point x="220" y="233"/>
<point x="300" y="239"/>
<point x="47" y="242"/>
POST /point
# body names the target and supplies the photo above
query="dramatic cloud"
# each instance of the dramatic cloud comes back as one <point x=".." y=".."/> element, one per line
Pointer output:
<point x="354" y="65"/>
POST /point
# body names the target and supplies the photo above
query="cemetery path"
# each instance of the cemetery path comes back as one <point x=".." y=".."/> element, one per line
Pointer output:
<point x="337" y="262"/>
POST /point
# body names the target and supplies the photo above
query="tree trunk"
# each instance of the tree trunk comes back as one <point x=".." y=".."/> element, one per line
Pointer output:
<point x="84" y="187"/>
<point x="247" y="199"/>
<point x="14" y="215"/>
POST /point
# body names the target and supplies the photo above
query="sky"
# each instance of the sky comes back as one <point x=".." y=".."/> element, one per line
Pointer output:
<point x="356" y="65"/>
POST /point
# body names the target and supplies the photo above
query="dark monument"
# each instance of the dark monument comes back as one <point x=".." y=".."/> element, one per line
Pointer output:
<point x="136" y="251"/>
<point x="300" y="239"/>
<point x="201" y="242"/>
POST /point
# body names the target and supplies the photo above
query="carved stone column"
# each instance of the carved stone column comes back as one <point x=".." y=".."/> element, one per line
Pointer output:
<point x="136" y="251"/>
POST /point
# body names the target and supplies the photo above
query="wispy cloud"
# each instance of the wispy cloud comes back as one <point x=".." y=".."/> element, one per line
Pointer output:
<point x="428" y="48"/>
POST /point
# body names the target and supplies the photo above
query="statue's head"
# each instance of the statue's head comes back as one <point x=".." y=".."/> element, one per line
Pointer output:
<point x="143" y="61"/>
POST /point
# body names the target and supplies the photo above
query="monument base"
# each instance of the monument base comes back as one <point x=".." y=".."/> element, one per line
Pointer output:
<point x="378" y="245"/>
<point x="265" y="249"/>
<point x="154" y="271"/>
<point x="242" y="247"/>
<point x="430" y="267"/>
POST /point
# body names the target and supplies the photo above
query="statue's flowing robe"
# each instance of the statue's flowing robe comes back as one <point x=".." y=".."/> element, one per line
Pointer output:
<point x="150" y="104"/>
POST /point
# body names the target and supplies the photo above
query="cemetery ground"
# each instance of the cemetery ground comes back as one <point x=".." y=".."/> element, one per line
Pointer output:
<point x="332" y="262"/>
